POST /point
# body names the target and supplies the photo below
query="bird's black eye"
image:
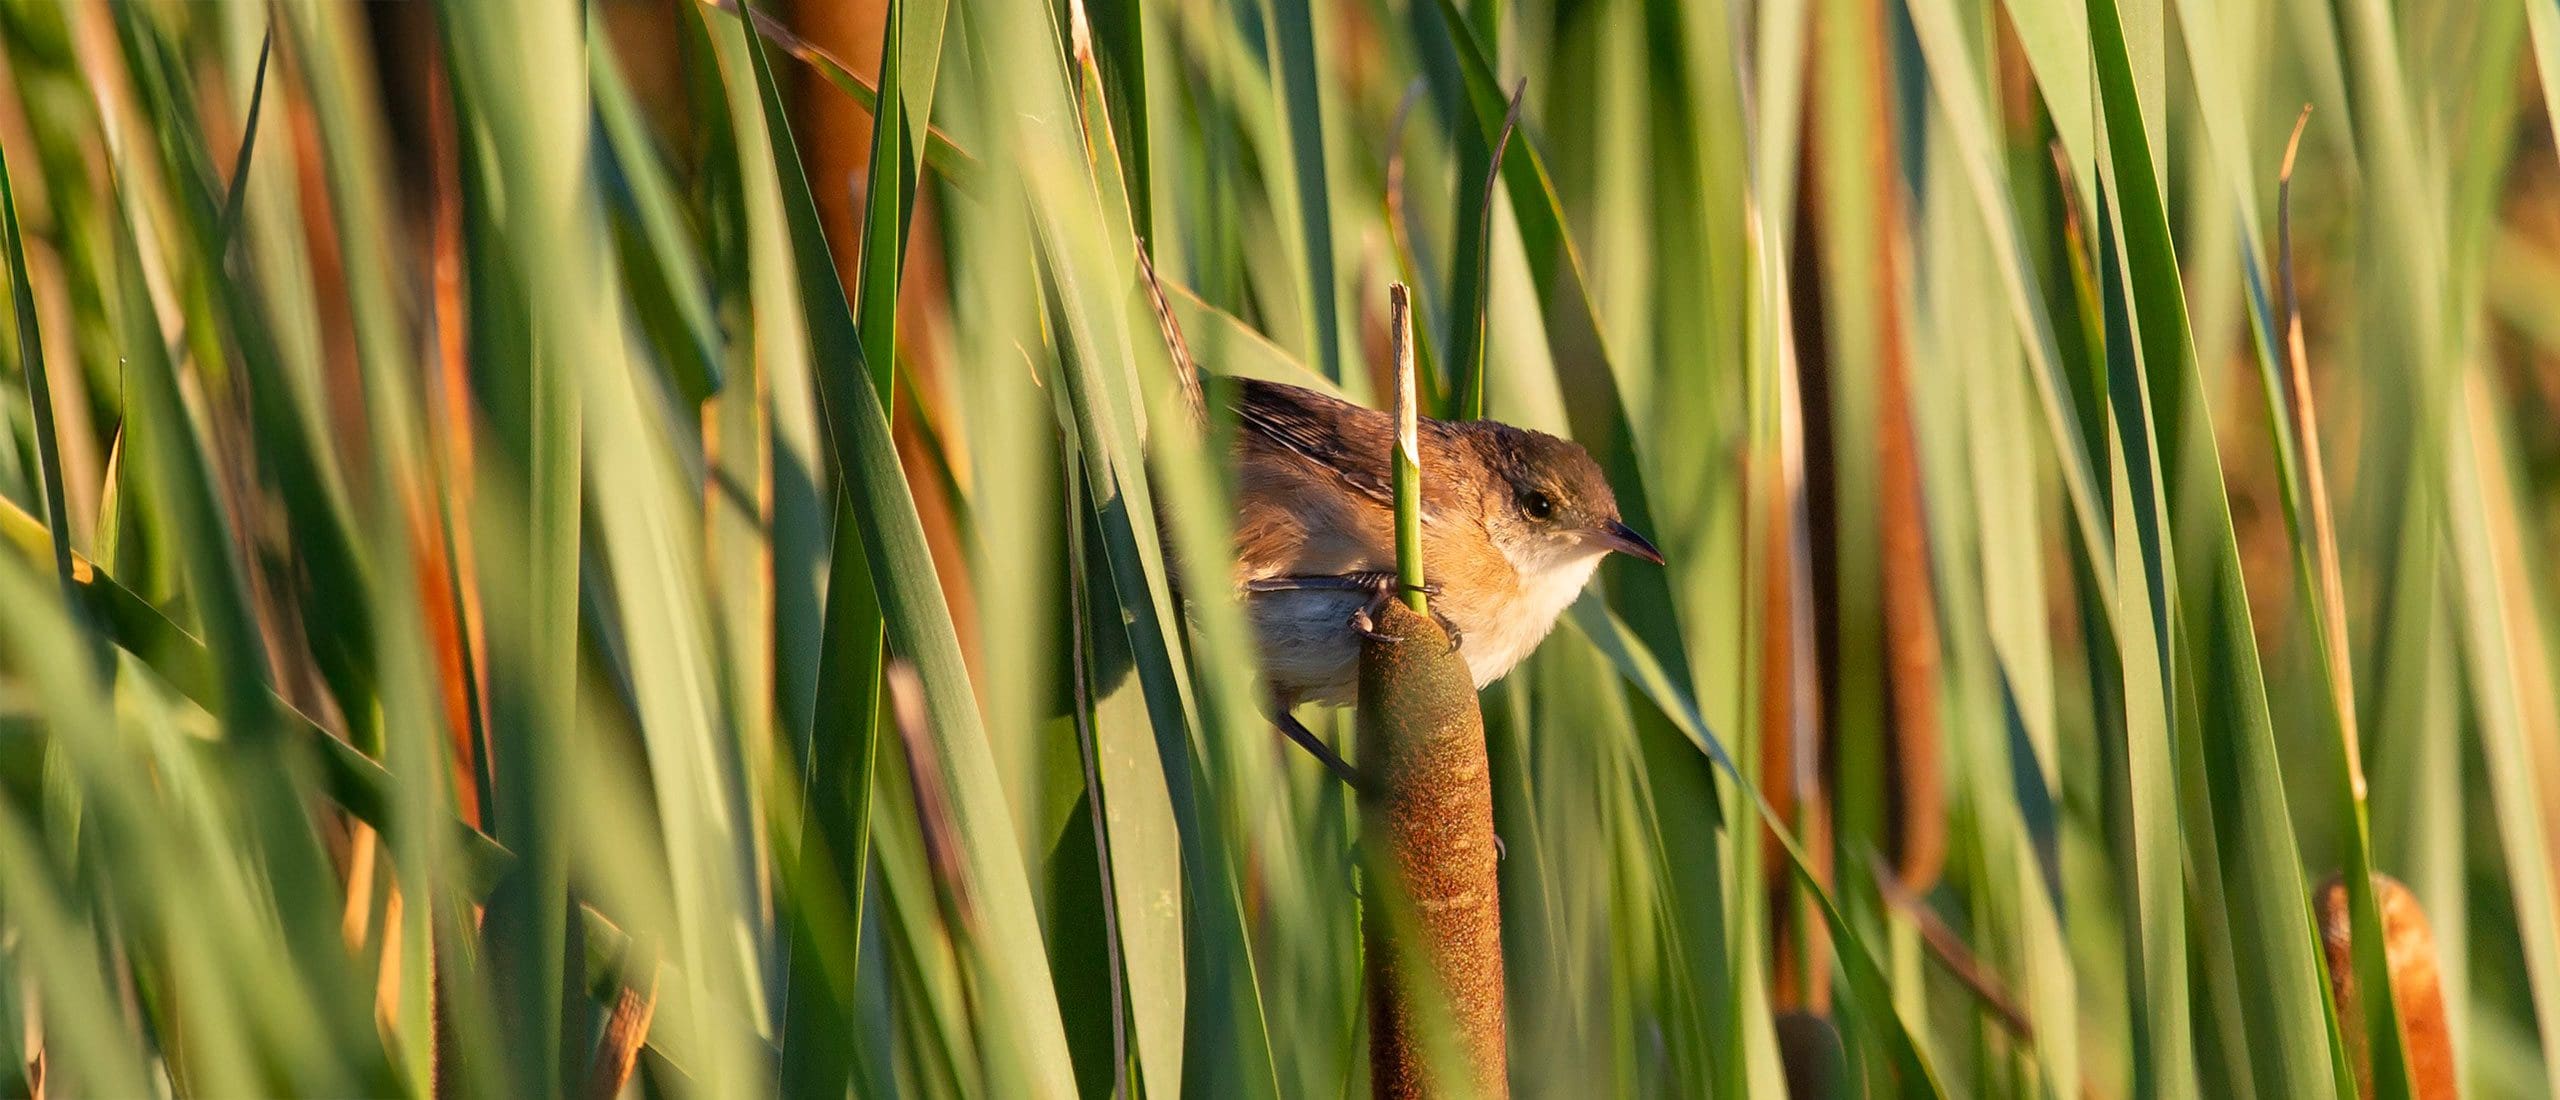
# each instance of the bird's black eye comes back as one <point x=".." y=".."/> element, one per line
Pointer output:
<point x="1538" y="505"/>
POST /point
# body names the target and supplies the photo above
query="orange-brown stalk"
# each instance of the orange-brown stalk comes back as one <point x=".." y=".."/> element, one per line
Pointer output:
<point x="1919" y="836"/>
<point x="448" y="588"/>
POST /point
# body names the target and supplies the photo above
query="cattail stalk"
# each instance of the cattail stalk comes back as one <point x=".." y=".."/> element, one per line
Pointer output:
<point x="1408" y="460"/>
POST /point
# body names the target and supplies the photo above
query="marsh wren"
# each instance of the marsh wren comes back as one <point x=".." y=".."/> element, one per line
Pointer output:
<point x="1514" y="522"/>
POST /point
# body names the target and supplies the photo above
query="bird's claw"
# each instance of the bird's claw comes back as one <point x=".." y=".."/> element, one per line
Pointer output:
<point x="1449" y="628"/>
<point x="1366" y="625"/>
<point x="1365" y="621"/>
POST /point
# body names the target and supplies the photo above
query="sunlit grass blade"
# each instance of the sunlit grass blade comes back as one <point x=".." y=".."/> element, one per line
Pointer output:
<point x="781" y="446"/>
<point x="1288" y="31"/>
<point x="1592" y="394"/>
<point x="646" y="541"/>
<point x="2267" y="906"/>
<point x="1118" y="30"/>
<point x="1778" y="671"/>
<point x="538" y="422"/>
<point x="270" y="822"/>
<point x="177" y="657"/>
<point x="1225" y="344"/>
<point x="1990" y="502"/>
<point x="2545" y="25"/>
<point x="1471" y="282"/>
<point x="343" y="645"/>
<point x="2321" y="589"/>
<point x="1953" y="74"/>
<point x="31" y="365"/>
<point x="1027" y="1039"/>
<point x="1859" y="964"/>
<point x="80" y="1008"/>
<point x="1105" y="845"/>
<point x="1113" y="386"/>
<point x="2507" y="658"/>
<point x="949" y="161"/>
<point x="841" y="756"/>
<point x="1407" y="475"/>
<point x="1599" y="416"/>
<point x="667" y="282"/>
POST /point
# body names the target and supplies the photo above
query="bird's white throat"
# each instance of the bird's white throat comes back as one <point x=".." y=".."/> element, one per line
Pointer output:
<point x="1552" y="575"/>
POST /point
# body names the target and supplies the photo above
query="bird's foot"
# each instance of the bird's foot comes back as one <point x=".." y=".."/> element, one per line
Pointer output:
<point x="1381" y="587"/>
<point x="1364" y="622"/>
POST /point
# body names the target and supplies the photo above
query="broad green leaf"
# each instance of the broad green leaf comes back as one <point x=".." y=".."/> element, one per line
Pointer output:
<point x="2215" y="650"/>
<point x="1029" y="1046"/>
<point x="1305" y="190"/>
<point x="22" y="303"/>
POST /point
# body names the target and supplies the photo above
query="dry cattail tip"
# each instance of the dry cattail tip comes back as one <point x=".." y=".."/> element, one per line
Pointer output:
<point x="2409" y="947"/>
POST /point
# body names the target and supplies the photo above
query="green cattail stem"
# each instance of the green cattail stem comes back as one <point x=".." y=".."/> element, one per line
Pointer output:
<point x="1408" y="459"/>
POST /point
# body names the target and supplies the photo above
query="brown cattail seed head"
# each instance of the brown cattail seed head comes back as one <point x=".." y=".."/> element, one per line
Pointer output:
<point x="2409" y="948"/>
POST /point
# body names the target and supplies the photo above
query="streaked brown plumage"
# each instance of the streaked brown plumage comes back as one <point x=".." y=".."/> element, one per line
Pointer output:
<point x="1514" y="524"/>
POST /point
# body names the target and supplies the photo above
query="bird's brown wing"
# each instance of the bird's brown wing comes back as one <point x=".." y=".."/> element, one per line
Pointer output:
<point x="1338" y="438"/>
<point x="1314" y="497"/>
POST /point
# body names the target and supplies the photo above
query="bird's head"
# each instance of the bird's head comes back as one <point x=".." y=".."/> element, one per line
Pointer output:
<point x="1549" y="506"/>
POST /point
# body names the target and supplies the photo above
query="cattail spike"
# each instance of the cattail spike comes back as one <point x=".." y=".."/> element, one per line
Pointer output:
<point x="2417" y="990"/>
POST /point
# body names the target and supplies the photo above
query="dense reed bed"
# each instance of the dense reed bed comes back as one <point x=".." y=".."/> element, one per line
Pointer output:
<point x="666" y="547"/>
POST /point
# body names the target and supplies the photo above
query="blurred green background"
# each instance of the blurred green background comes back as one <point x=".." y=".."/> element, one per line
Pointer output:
<point x="613" y="549"/>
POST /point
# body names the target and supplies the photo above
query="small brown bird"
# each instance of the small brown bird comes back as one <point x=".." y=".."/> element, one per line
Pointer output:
<point x="1514" y="522"/>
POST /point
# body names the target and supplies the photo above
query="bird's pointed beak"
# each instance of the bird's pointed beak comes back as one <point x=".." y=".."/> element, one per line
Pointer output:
<point x="1619" y="537"/>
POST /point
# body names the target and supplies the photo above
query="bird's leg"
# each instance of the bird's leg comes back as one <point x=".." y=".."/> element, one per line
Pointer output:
<point x="1381" y="587"/>
<point x="1306" y="738"/>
